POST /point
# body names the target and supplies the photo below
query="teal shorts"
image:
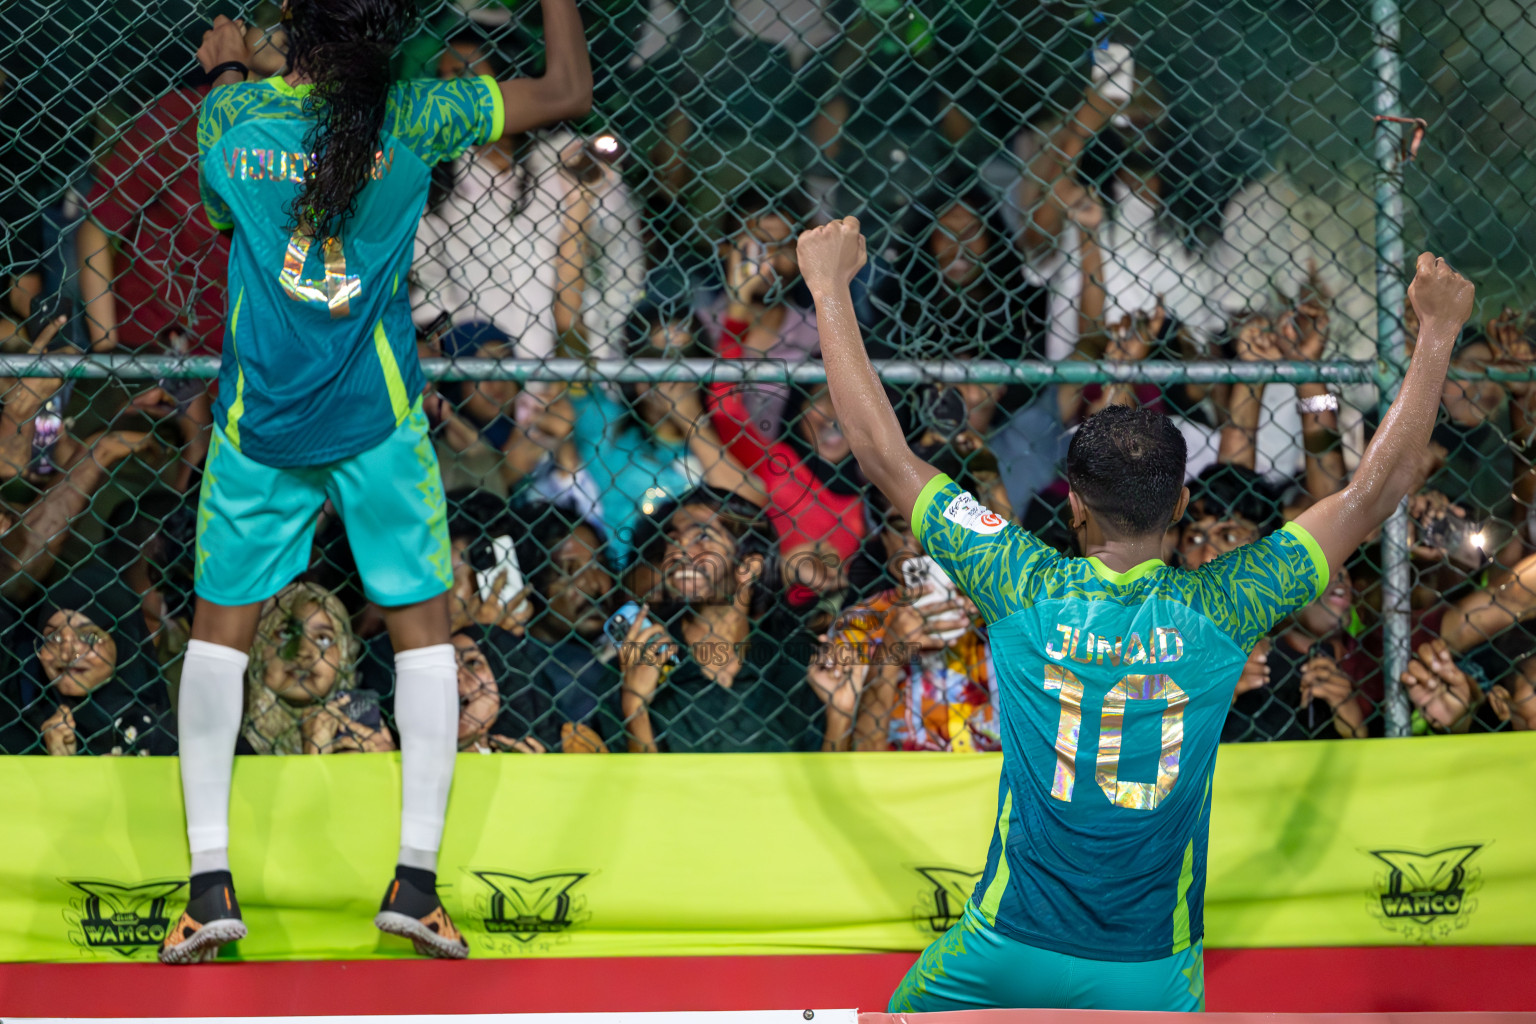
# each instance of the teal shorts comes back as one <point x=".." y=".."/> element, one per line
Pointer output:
<point x="256" y="523"/>
<point x="974" y="967"/>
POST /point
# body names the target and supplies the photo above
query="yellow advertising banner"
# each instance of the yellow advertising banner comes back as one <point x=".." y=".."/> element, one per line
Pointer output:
<point x="1377" y="842"/>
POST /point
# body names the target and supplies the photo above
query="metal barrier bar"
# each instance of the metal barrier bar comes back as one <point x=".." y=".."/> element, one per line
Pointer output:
<point x="773" y="370"/>
<point x="727" y="371"/>
<point x="1396" y="569"/>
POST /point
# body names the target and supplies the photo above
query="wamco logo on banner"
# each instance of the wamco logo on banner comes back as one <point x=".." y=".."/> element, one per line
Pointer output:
<point x="1425" y="896"/>
<point x="942" y="901"/>
<point x="523" y="914"/>
<point x="129" y="919"/>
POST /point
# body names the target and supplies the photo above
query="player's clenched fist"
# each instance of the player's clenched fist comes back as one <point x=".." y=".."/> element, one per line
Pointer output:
<point x="831" y="255"/>
<point x="1439" y="294"/>
<point x="223" y="43"/>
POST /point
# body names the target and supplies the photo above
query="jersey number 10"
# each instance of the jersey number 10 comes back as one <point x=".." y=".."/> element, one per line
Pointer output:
<point x="1141" y="796"/>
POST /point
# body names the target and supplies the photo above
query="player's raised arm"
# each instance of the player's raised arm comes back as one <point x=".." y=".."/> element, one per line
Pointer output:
<point x="565" y="88"/>
<point x="830" y="257"/>
<point x="1340" y="522"/>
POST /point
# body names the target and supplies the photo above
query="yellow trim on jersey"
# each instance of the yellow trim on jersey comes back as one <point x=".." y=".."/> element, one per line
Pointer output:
<point x="398" y="400"/>
<point x="1130" y="575"/>
<point x="1319" y="560"/>
<point x="1181" y="901"/>
<point x="298" y="91"/>
<point x="237" y="407"/>
<point x="924" y="499"/>
<point x="1187" y="879"/>
<point x="993" y="897"/>
<point x="498" y="109"/>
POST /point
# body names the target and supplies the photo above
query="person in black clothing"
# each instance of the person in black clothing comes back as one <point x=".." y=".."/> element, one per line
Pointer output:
<point x="547" y="685"/>
<point x="1302" y="683"/>
<point x="93" y="685"/>
<point x="502" y="709"/>
<point x="747" y="676"/>
<point x="560" y="668"/>
<point x="958" y="282"/>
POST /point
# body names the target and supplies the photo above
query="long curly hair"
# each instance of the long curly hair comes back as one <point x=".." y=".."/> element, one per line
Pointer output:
<point x="345" y="48"/>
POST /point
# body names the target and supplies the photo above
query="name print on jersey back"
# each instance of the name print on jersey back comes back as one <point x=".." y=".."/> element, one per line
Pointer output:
<point x="1163" y="644"/>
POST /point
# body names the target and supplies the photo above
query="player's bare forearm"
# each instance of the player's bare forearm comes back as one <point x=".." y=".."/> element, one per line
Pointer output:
<point x="863" y="410"/>
<point x="565" y="89"/>
<point x="1387" y="471"/>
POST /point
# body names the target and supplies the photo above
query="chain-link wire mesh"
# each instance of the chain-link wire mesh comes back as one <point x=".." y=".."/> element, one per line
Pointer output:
<point x="1183" y="206"/>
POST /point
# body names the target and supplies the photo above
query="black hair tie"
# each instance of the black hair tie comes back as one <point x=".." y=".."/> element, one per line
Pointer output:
<point x="229" y="65"/>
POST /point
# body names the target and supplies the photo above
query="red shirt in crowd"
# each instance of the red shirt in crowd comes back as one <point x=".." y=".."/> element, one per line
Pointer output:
<point x="170" y="263"/>
<point x="804" y="510"/>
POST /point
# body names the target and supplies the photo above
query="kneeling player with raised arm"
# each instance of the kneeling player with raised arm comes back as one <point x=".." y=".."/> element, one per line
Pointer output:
<point x="1115" y="671"/>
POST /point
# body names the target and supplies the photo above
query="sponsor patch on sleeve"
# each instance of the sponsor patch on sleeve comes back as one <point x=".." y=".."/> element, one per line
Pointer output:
<point x="964" y="510"/>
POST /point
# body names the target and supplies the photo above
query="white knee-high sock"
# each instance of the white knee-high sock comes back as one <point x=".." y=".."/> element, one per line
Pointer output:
<point x="208" y="723"/>
<point x="427" y="714"/>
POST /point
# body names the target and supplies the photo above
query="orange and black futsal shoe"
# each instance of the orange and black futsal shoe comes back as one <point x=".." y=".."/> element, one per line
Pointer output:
<point x="211" y="919"/>
<point x="411" y="908"/>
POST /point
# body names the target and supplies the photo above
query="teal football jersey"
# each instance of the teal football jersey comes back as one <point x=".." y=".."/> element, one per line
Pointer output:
<point x="319" y="348"/>
<point x="1113" y="688"/>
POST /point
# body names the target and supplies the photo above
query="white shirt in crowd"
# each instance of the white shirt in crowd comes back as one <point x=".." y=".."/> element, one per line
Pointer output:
<point x="480" y="260"/>
<point x="1144" y="259"/>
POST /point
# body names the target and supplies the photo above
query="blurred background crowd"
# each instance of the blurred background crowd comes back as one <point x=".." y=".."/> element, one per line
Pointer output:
<point x="1036" y="184"/>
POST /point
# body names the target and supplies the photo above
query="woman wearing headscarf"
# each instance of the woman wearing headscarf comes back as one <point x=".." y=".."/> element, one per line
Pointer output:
<point x="300" y="695"/>
<point x="93" y="685"/>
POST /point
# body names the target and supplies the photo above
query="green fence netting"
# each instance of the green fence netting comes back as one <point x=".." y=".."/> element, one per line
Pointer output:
<point x="1205" y="206"/>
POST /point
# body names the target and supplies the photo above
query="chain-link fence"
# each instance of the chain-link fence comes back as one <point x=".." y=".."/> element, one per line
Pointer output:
<point x="1201" y="207"/>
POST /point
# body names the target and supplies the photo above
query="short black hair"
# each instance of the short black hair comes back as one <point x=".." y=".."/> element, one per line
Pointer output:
<point x="475" y="514"/>
<point x="747" y="524"/>
<point x="1225" y="490"/>
<point x="542" y="527"/>
<point x="792" y="205"/>
<point x="1128" y="467"/>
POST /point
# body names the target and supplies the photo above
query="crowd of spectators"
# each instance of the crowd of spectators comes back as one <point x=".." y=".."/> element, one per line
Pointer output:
<point x="784" y="605"/>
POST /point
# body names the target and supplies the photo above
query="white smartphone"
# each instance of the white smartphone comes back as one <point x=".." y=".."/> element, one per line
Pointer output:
<point x="504" y="554"/>
<point x="925" y="572"/>
<point x="1114" y="72"/>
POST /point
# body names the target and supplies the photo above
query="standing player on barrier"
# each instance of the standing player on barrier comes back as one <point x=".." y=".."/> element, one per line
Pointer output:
<point x="1115" y="671"/>
<point x="322" y="174"/>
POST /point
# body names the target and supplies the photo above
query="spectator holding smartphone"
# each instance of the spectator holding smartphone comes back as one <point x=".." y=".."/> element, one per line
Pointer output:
<point x="931" y="686"/>
<point x="765" y="311"/>
<point x="1311" y="669"/>
<point x="712" y="666"/>
<point x="300" y="685"/>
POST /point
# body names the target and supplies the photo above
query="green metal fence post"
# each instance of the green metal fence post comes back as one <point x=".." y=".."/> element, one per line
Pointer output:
<point x="1396" y="581"/>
